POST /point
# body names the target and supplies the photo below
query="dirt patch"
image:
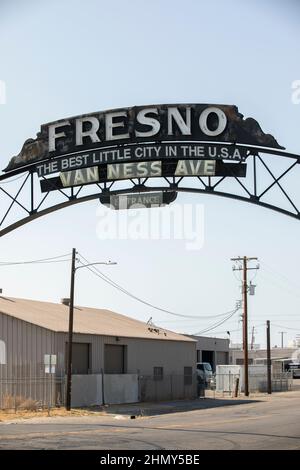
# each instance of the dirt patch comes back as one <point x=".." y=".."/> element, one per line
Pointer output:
<point x="8" y="415"/>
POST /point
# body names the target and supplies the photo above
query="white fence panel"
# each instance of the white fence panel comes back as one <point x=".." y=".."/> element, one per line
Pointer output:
<point x="121" y="388"/>
<point x="86" y="390"/>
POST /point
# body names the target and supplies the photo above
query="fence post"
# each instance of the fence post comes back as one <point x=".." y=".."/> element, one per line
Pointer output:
<point x="139" y="384"/>
<point x="236" y="386"/>
<point x="103" y="399"/>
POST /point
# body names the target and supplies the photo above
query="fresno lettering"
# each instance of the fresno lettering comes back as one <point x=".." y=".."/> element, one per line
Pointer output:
<point x="136" y="124"/>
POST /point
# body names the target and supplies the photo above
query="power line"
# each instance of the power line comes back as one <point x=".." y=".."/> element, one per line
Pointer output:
<point x="276" y="315"/>
<point x="238" y="329"/>
<point x="262" y="325"/>
<point x="43" y="260"/>
<point x="124" y="291"/>
<point x="277" y="283"/>
<point x="225" y="331"/>
<point x="277" y="273"/>
<point x="217" y="324"/>
<point x="185" y="320"/>
<point x="239" y="278"/>
<point x="112" y="283"/>
<point x="40" y="262"/>
<point x="286" y="327"/>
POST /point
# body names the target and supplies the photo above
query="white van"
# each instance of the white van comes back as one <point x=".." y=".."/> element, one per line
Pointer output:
<point x="204" y="372"/>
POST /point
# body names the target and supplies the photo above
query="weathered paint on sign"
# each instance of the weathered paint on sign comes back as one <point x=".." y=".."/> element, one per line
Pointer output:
<point x="141" y="124"/>
<point x="79" y="177"/>
<point x="134" y="201"/>
<point x="196" y="168"/>
<point x="119" y="171"/>
<point x="151" y="169"/>
<point x="143" y="152"/>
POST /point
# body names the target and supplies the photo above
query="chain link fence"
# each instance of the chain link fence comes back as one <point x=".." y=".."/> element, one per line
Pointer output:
<point x="167" y="387"/>
<point x="32" y="393"/>
<point x="232" y="384"/>
<point x="47" y="391"/>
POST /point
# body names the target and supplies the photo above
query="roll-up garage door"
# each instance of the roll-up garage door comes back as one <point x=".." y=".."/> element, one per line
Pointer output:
<point x="114" y="359"/>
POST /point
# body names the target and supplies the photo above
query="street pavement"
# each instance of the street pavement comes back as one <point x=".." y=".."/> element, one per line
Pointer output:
<point x="262" y="423"/>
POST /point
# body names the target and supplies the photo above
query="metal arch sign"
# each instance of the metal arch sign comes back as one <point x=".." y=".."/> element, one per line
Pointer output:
<point x="167" y="142"/>
<point x="155" y="132"/>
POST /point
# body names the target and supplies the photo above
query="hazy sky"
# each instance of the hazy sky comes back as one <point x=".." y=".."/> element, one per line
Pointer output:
<point x="68" y="57"/>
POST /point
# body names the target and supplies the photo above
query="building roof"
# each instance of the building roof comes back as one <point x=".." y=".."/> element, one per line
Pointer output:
<point x="55" y="317"/>
<point x="211" y="340"/>
<point x="279" y="353"/>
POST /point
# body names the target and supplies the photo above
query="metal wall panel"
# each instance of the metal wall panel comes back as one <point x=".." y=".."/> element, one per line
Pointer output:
<point x="222" y="357"/>
<point x="27" y="343"/>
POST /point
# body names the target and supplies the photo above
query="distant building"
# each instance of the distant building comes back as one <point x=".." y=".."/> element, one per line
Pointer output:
<point x="295" y="343"/>
<point x="259" y="356"/>
<point x="212" y="350"/>
<point x="239" y="346"/>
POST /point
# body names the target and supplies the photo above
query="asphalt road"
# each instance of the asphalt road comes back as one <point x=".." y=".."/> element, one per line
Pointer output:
<point x="273" y="423"/>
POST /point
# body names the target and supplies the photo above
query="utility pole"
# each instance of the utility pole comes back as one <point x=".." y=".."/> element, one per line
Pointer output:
<point x="245" y="326"/>
<point x="269" y="357"/>
<point x="244" y="267"/>
<point x="70" y="336"/>
<point x="71" y="316"/>
<point x="282" y="333"/>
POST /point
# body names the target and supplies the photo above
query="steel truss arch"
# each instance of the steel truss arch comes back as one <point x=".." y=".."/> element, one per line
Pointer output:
<point x="21" y="200"/>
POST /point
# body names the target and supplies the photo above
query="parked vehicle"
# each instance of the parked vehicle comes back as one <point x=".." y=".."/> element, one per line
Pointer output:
<point x="204" y="372"/>
<point x="294" y="367"/>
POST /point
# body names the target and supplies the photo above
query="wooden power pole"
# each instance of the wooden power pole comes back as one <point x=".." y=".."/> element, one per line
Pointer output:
<point x="70" y="336"/>
<point x="244" y="260"/>
<point x="282" y="333"/>
<point x="245" y="326"/>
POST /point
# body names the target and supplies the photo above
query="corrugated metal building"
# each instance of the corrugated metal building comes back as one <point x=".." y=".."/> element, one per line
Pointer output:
<point x="103" y="342"/>
<point x="212" y="350"/>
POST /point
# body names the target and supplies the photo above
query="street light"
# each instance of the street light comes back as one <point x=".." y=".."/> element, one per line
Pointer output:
<point x="71" y="315"/>
<point x="108" y="263"/>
